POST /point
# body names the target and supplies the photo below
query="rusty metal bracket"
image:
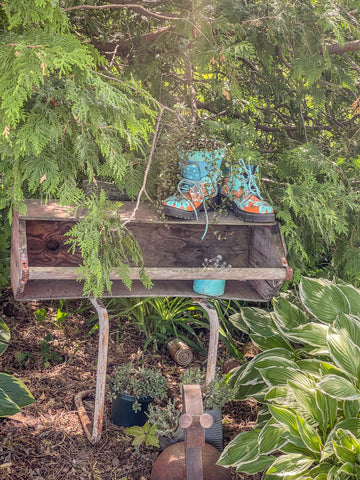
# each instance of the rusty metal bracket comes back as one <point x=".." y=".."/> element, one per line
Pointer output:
<point x="194" y="421"/>
<point x="213" y="341"/>
<point x="93" y="431"/>
<point x="289" y="270"/>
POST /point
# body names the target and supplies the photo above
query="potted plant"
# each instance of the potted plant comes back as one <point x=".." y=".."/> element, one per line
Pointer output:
<point x="166" y="420"/>
<point x="211" y="287"/>
<point x="215" y="395"/>
<point x="132" y="389"/>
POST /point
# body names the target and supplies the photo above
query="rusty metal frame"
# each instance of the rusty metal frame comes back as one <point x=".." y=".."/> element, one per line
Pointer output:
<point x="213" y="341"/>
<point x="93" y="431"/>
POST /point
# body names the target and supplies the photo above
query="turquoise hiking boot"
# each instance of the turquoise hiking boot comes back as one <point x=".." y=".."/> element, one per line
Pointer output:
<point x="201" y="174"/>
<point x="240" y="188"/>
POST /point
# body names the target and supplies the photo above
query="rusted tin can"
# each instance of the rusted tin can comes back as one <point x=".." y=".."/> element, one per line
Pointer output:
<point x="180" y="352"/>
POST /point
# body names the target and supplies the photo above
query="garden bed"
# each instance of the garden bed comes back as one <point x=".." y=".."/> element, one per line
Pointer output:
<point x="46" y="441"/>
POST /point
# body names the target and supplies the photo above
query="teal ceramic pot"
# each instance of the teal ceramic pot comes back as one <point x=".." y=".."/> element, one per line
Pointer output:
<point x="122" y="413"/>
<point x="213" y="288"/>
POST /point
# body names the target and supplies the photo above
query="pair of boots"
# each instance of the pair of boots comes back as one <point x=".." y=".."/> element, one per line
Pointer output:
<point x="202" y="180"/>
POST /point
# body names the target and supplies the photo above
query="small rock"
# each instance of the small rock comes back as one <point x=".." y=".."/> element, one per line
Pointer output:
<point x="115" y="462"/>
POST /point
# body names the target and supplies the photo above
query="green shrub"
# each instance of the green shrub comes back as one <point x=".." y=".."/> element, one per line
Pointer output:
<point x="308" y="379"/>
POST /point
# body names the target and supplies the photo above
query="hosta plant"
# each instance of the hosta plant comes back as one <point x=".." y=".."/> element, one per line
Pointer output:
<point x="308" y="379"/>
<point x="14" y="395"/>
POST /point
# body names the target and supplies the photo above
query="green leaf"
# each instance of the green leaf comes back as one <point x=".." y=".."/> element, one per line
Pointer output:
<point x="275" y="376"/>
<point x="310" y="334"/>
<point x="349" y="326"/>
<point x="287" y="316"/>
<point x="345" y="354"/>
<point x="351" y="408"/>
<point x="353" y="296"/>
<point x="40" y="314"/>
<point x="339" y="388"/>
<point x="267" y="343"/>
<point x="271" y="438"/>
<point x="244" y="447"/>
<point x="14" y="395"/>
<point x="286" y="418"/>
<point x="274" y="361"/>
<point x="323" y="299"/>
<point x="307" y="400"/>
<point x="4" y="336"/>
<point x="312" y="366"/>
<point x="257" y="320"/>
<point x="343" y="454"/>
<point x="257" y="465"/>
<point x="309" y="435"/>
<point x="291" y="464"/>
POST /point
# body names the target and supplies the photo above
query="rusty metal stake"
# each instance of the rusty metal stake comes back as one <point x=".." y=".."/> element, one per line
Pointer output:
<point x="213" y="341"/>
<point x="194" y="421"/>
<point x="93" y="432"/>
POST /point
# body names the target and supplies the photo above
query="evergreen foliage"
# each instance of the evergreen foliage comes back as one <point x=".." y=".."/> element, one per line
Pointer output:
<point x="62" y="121"/>
<point x="81" y="82"/>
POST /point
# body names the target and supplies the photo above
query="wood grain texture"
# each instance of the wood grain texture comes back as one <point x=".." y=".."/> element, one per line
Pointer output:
<point x="173" y="252"/>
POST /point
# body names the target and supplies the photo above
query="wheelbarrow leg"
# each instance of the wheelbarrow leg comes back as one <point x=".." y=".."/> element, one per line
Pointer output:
<point x="93" y="432"/>
<point x="213" y="341"/>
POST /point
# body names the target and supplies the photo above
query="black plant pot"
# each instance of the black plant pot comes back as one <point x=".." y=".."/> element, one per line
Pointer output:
<point x="214" y="434"/>
<point x="122" y="412"/>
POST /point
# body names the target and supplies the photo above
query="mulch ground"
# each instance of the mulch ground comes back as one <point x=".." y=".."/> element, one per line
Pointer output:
<point x="46" y="441"/>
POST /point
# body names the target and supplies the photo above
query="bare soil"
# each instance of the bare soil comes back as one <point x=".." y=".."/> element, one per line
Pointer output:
<point x="46" y="441"/>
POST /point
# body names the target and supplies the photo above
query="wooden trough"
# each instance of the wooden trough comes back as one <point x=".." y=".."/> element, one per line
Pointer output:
<point x="42" y="268"/>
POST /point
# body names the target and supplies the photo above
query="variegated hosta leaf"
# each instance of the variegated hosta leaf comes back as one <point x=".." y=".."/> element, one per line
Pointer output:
<point x="351" y="408"/>
<point x="257" y="320"/>
<point x="286" y="419"/>
<point x="329" y="409"/>
<point x="311" y="334"/>
<point x="244" y="447"/>
<point x="345" y="354"/>
<point x="312" y="366"/>
<point x="14" y="395"/>
<point x="274" y="341"/>
<point x="287" y="316"/>
<point x="351" y="425"/>
<point x="323" y="299"/>
<point x="309" y="435"/>
<point x="349" y="326"/>
<point x="258" y="465"/>
<point x="353" y="296"/>
<point x="4" y="336"/>
<point x="275" y="376"/>
<point x="307" y="401"/>
<point x="274" y="361"/>
<point x="291" y="464"/>
<point x="339" y="388"/>
<point x="271" y="438"/>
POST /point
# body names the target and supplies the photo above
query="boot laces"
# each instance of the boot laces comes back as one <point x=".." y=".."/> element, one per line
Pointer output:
<point x="251" y="186"/>
<point x="184" y="187"/>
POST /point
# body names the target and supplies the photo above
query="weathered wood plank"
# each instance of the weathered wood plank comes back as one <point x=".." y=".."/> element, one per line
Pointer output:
<point x="19" y="258"/>
<point x="70" y="273"/>
<point x="161" y="244"/>
<point x="60" y="289"/>
<point x="38" y="210"/>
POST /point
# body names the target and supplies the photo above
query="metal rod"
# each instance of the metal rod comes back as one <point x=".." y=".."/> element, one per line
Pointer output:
<point x="214" y="339"/>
